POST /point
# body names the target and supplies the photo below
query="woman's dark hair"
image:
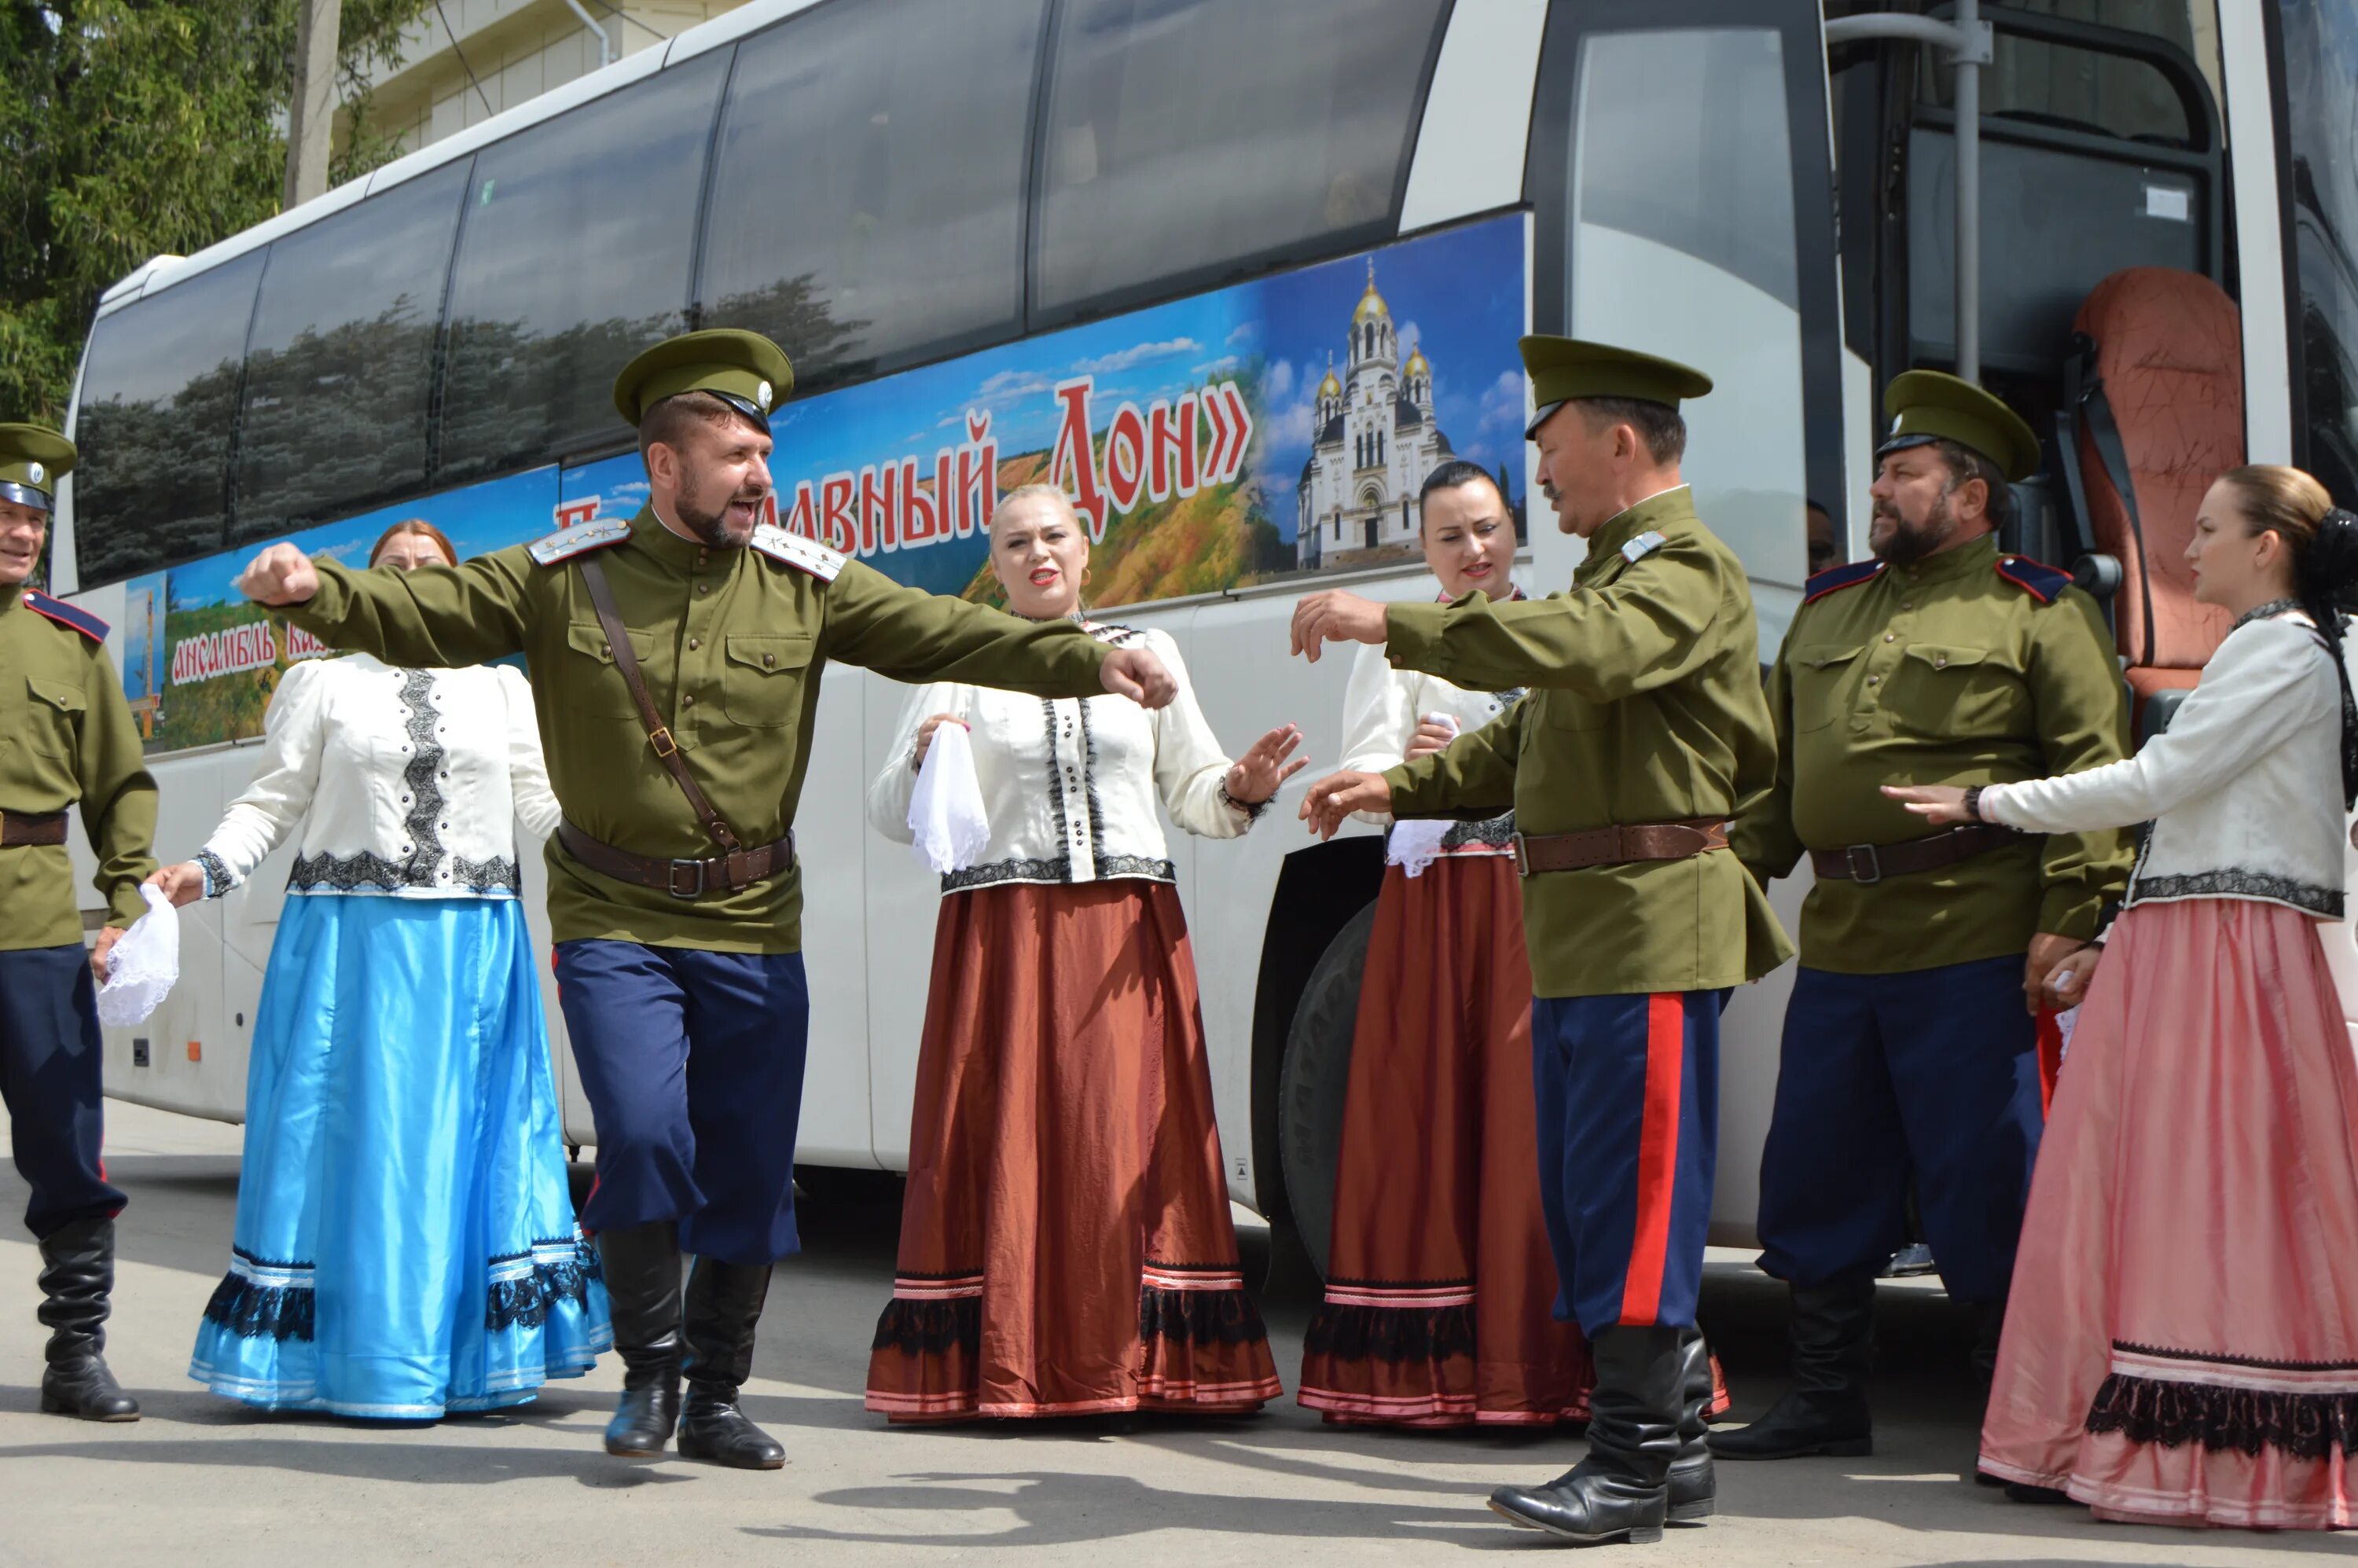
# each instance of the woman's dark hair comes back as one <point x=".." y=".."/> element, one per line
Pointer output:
<point x="1454" y="473"/>
<point x="2323" y="539"/>
<point x="423" y="529"/>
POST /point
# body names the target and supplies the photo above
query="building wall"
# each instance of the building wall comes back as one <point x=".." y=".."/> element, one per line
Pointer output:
<point x="516" y="50"/>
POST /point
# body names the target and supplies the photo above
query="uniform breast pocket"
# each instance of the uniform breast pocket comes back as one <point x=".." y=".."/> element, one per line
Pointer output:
<point x="762" y="685"/>
<point x="54" y="710"/>
<point x="590" y="683"/>
<point x="1819" y="676"/>
<point x="1956" y="689"/>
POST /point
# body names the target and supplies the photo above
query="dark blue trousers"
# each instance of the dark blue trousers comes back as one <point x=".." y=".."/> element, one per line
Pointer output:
<point x="693" y="1064"/>
<point x="1627" y="1090"/>
<point x="50" y="1076"/>
<point x="1932" y="1074"/>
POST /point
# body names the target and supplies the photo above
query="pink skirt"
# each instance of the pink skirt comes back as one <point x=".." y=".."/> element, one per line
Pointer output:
<point x="2181" y="1344"/>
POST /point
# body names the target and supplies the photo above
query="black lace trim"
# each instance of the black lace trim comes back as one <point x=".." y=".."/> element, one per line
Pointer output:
<point x="1199" y="1317"/>
<point x="252" y="1311"/>
<point x="1400" y="1335"/>
<point x="930" y="1327"/>
<point x="218" y="880"/>
<point x="425" y="763"/>
<point x="529" y="1298"/>
<point x="1110" y="867"/>
<point x="2257" y="1363"/>
<point x="2170" y="1414"/>
<point x="1252" y="809"/>
<point x="2234" y="882"/>
<point x="2273" y="607"/>
<point x="1089" y="782"/>
<point x="1491" y="832"/>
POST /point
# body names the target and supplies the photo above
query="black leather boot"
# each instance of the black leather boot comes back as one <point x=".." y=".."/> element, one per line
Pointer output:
<point x="1694" y="1491"/>
<point x="1989" y="1327"/>
<point x="1621" y="1491"/>
<point x="724" y="1303"/>
<point x="77" y="1278"/>
<point x="1825" y="1410"/>
<point x="641" y="1268"/>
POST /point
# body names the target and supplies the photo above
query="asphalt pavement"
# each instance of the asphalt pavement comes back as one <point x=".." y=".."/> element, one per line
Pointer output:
<point x="201" y="1481"/>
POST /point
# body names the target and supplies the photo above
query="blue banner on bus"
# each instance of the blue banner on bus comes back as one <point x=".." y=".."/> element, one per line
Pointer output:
<point x="1279" y="426"/>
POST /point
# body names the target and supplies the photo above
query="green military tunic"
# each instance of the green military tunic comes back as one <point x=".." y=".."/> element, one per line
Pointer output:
<point x="1945" y="672"/>
<point x="1644" y="706"/>
<point x="732" y="643"/>
<point x="67" y="737"/>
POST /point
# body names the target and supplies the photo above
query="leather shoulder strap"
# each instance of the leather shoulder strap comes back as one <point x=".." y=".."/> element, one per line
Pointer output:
<point x="626" y="659"/>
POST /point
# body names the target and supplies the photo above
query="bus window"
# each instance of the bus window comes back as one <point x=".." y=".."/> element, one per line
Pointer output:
<point x="868" y="190"/>
<point x="1683" y="243"/>
<point x="2320" y="110"/>
<point x="573" y="255"/>
<point x="1188" y="140"/>
<point x="158" y="402"/>
<point x="341" y="356"/>
<point x="2047" y="82"/>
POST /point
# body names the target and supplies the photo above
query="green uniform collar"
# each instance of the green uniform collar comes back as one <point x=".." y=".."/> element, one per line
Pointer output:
<point x="648" y="533"/>
<point x="1675" y="505"/>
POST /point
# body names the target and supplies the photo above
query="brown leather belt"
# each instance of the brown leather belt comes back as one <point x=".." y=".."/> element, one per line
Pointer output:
<point x="18" y="830"/>
<point x="681" y="878"/>
<point x="1868" y="864"/>
<point x="1536" y="852"/>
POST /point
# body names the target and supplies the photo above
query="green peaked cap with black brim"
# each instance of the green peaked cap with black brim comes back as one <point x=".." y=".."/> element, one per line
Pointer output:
<point x="1563" y="369"/>
<point x="33" y="458"/>
<point x="744" y="370"/>
<point x="1934" y="406"/>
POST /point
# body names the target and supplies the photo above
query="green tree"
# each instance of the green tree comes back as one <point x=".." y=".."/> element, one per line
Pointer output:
<point x="133" y="128"/>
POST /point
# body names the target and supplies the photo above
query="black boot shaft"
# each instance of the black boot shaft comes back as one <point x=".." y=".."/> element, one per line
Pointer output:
<point x="77" y="1290"/>
<point x="1832" y="1337"/>
<point x="641" y="1264"/>
<point x="723" y="1308"/>
<point x="1621" y="1491"/>
<point x="1694" y="1488"/>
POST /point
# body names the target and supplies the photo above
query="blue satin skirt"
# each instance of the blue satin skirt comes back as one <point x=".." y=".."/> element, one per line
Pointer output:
<point x="406" y="1242"/>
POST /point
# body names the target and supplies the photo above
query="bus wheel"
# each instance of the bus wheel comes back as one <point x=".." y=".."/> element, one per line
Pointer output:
<point x="1310" y="1085"/>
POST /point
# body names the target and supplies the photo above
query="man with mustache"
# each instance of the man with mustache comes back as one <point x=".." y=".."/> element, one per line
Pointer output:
<point x="66" y="738"/>
<point x="1911" y="1043"/>
<point x="676" y="656"/>
<point x="1642" y="732"/>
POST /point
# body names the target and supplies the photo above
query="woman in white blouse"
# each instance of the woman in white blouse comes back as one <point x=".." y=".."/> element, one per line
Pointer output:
<point x="406" y="1243"/>
<point x="2181" y="1344"/>
<point x="1440" y="1287"/>
<point x="1065" y="1245"/>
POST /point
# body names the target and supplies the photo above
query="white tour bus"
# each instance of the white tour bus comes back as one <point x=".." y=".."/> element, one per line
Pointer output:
<point x="1235" y="274"/>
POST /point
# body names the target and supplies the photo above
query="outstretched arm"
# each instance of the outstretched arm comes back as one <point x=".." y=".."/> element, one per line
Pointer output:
<point x="436" y="617"/>
<point x="915" y="636"/>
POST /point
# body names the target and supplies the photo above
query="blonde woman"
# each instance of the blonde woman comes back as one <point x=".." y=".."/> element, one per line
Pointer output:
<point x="1065" y="1245"/>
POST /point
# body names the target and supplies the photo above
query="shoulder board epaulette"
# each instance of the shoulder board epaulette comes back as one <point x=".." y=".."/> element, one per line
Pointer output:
<point x="796" y="551"/>
<point x="65" y="614"/>
<point x="566" y="544"/>
<point x="2042" y="582"/>
<point x="1835" y="578"/>
<point x="1644" y="545"/>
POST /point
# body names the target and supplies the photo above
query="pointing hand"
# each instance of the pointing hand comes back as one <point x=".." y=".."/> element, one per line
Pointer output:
<point x="1334" y="616"/>
<point x="1337" y="796"/>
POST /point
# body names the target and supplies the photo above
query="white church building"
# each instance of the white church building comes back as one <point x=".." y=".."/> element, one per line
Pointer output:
<point x="1376" y="441"/>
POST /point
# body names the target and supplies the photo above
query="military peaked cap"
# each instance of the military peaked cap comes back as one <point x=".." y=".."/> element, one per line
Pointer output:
<point x="1932" y="406"/>
<point x="1563" y="369"/>
<point x="744" y="370"/>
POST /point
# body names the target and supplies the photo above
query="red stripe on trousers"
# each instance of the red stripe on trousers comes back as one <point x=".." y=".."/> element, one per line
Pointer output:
<point x="1658" y="1157"/>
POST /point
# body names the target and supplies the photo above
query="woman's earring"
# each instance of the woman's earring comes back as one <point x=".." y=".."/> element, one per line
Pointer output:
<point x="1084" y="576"/>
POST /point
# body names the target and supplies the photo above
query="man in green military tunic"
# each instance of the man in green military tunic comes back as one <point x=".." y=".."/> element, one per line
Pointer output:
<point x="676" y="657"/>
<point x="1643" y="732"/>
<point x="1910" y="1046"/>
<point x="66" y="737"/>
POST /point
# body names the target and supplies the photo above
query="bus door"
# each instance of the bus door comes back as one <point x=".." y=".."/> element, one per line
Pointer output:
<point x="1679" y="176"/>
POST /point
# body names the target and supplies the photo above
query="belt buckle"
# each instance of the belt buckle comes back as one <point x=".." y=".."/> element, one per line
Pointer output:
<point x="1871" y="872"/>
<point x="1522" y="856"/>
<point x="696" y="889"/>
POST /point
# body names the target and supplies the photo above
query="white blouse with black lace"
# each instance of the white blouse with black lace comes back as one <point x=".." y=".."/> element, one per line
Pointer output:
<point x="404" y="782"/>
<point x="2244" y="789"/>
<point x="1381" y="708"/>
<point x="1069" y="784"/>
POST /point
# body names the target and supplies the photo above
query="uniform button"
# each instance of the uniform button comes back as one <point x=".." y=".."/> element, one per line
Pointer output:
<point x="768" y="660"/>
<point x="1875" y="680"/>
<point x="1939" y="662"/>
<point x="694" y="644"/>
<point x="704" y="588"/>
<point x="1904" y="604"/>
<point x="1889" y="637"/>
<point x="689" y="701"/>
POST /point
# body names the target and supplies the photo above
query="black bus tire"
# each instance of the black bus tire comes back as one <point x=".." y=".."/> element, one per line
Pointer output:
<point x="1313" y="1081"/>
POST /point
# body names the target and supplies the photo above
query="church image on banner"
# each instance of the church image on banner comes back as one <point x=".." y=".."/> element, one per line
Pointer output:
<point x="1377" y="438"/>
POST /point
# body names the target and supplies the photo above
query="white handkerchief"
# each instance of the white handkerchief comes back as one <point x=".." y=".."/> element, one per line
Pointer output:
<point x="946" y="811"/>
<point x="1416" y="843"/>
<point x="143" y="965"/>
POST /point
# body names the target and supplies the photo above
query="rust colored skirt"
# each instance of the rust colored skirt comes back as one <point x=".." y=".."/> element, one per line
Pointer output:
<point x="1441" y="1291"/>
<point x="1065" y="1245"/>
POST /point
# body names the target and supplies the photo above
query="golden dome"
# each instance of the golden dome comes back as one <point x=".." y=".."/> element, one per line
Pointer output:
<point x="1372" y="304"/>
<point x="1416" y="363"/>
<point x="1330" y="387"/>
